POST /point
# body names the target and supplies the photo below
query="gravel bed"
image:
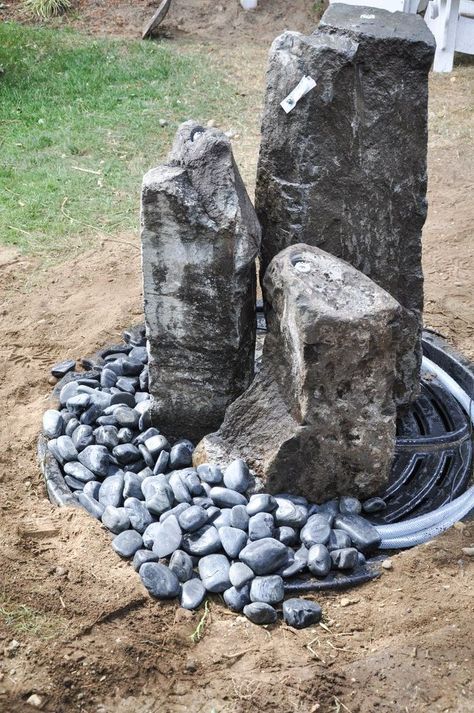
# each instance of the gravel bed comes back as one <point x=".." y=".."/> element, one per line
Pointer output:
<point x="188" y="531"/>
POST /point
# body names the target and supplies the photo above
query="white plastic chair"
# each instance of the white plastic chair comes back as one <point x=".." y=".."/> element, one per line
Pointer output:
<point x="452" y="24"/>
<point x="410" y="6"/>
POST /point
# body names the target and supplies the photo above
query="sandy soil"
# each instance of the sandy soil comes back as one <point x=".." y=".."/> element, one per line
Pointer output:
<point x="90" y="639"/>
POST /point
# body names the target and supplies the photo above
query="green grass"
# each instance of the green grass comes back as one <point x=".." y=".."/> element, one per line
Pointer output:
<point x="70" y="102"/>
<point x="21" y="619"/>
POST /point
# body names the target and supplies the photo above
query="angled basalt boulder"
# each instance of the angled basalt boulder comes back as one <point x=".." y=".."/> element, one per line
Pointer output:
<point x="200" y="237"/>
<point x="345" y="169"/>
<point x="319" y="418"/>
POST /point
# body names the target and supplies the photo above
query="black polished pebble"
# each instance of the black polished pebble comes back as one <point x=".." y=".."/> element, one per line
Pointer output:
<point x="96" y="458"/>
<point x="338" y="539"/>
<point x="82" y="437"/>
<point x="139" y="515"/>
<point x="346" y="558"/>
<point x="53" y="423"/>
<point x="240" y="574"/>
<point x="236" y="598"/>
<point x="66" y="448"/>
<point x="92" y="488"/>
<point x="108" y="378"/>
<point x="90" y="504"/>
<point x="214" y="572"/>
<point x="300" y="613"/>
<point x="373" y="505"/>
<point x="115" y="519"/>
<point x="192" y="518"/>
<point x="111" y="490"/>
<point x="267" y="589"/>
<point x="106" y="436"/>
<point x="162" y="463"/>
<point x="131" y="367"/>
<point x="349" y="505"/>
<point x="293" y="568"/>
<point x="145" y="435"/>
<point x="142" y="556"/>
<point x="127" y="384"/>
<point x="204" y="541"/>
<point x="127" y="543"/>
<point x="222" y="519"/>
<point x="62" y="368"/>
<point x="225" y="498"/>
<point x="67" y="391"/>
<point x="91" y="415"/>
<point x="132" y="486"/>
<point x="160" y="581"/>
<point x="264" y="556"/>
<point x="260" y="613"/>
<point x="237" y="476"/>
<point x="181" y="455"/>
<point x="126" y="453"/>
<point x="319" y="560"/>
<point x="71" y="426"/>
<point x="182" y="565"/>
<point x="289" y="513"/>
<point x="123" y="399"/>
<point x="168" y="537"/>
<point x="135" y="467"/>
<point x="233" y="540"/>
<point x="139" y="354"/>
<point x="126" y="417"/>
<point x="78" y="403"/>
<point x="261" y="502"/>
<point x="191" y="479"/>
<point x="316" y="531"/>
<point x="261" y="525"/>
<point x="209" y="473"/>
<point x="193" y="593"/>
<point x="179" y="487"/>
<point x="176" y="511"/>
<point x="286" y="534"/>
<point x="79" y="471"/>
<point x="363" y="535"/>
<point x="239" y="517"/>
<point x="74" y="483"/>
<point x="150" y="534"/>
<point x="146" y="455"/>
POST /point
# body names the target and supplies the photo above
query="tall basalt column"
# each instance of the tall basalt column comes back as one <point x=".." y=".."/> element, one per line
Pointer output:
<point x="319" y="418"/>
<point x="200" y="237"/>
<point x="345" y="170"/>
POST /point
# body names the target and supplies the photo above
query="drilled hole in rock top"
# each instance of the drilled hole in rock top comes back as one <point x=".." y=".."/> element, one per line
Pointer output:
<point x="196" y="132"/>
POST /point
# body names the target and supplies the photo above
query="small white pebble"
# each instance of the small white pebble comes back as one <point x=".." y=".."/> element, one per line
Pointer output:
<point x="387" y="564"/>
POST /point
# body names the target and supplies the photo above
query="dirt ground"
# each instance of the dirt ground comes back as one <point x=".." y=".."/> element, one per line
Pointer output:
<point x="89" y="638"/>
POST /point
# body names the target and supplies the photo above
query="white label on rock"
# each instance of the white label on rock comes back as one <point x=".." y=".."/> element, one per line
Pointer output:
<point x="304" y="86"/>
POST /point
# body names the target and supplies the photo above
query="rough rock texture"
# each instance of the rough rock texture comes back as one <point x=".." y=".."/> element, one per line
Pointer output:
<point x="319" y="418"/>
<point x="345" y="170"/>
<point x="200" y="237"/>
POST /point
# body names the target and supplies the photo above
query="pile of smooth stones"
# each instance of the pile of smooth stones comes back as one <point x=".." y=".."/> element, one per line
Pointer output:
<point x="189" y="530"/>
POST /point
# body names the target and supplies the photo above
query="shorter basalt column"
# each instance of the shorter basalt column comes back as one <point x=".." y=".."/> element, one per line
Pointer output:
<point x="200" y="237"/>
<point x="319" y="418"/>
